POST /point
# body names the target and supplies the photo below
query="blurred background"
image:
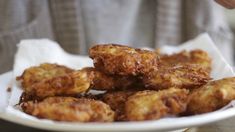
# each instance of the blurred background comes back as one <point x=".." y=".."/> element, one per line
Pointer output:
<point x="230" y="16"/>
<point x="77" y="24"/>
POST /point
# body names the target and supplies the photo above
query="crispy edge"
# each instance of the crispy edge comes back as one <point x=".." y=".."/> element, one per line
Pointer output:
<point x="212" y="96"/>
<point x="36" y="74"/>
<point x="197" y="56"/>
<point x="70" y="84"/>
<point x="70" y="109"/>
<point x="123" y="60"/>
<point x="116" y="100"/>
<point x="102" y="81"/>
<point x="181" y="75"/>
<point x="151" y="105"/>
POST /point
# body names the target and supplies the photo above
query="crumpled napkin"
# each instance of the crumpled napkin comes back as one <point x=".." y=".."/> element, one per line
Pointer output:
<point x="33" y="52"/>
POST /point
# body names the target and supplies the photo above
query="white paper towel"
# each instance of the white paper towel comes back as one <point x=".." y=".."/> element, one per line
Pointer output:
<point x="36" y="51"/>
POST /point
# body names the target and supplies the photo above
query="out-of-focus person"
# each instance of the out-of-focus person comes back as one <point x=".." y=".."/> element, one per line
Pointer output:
<point x="78" y="24"/>
<point x="230" y="4"/>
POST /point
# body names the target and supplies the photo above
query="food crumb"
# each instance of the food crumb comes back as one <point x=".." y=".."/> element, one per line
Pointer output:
<point x="9" y="89"/>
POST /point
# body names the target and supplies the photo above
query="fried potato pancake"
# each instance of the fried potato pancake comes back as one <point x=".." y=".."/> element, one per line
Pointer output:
<point x="77" y="82"/>
<point x="212" y="96"/>
<point x="69" y="109"/>
<point x="150" y="105"/>
<point x="181" y="75"/>
<point x="197" y="56"/>
<point x="139" y="85"/>
<point x="69" y="84"/>
<point x="44" y="71"/>
<point x="116" y="100"/>
<point x="123" y="60"/>
<point x="102" y="81"/>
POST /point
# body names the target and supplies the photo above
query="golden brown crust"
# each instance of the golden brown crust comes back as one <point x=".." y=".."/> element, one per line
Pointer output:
<point x="77" y="82"/>
<point x="197" y="56"/>
<point x="180" y="75"/>
<point x="116" y="100"/>
<point x="70" y="109"/>
<point x="69" y="84"/>
<point x="102" y="81"/>
<point x="186" y="69"/>
<point x="150" y="105"/>
<point x="211" y="96"/>
<point x="123" y="60"/>
<point x="125" y="73"/>
<point x="36" y="74"/>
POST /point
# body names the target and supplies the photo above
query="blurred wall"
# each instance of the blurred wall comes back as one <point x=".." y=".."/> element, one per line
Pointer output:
<point x="230" y="15"/>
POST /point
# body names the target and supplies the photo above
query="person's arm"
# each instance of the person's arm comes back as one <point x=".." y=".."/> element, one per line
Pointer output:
<point x="230" y="4"/>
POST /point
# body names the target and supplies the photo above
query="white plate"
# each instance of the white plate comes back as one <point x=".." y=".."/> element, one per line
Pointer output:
<point x="34" y="52"/>
<point x="158" y="125"/>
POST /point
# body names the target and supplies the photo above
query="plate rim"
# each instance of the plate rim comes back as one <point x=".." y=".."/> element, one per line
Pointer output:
<point x="120" y="126"/>
<point x="114" y="126"/>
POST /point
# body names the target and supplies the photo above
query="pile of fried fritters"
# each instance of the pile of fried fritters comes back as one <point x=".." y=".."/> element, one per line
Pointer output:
<point x="137" y="85"/>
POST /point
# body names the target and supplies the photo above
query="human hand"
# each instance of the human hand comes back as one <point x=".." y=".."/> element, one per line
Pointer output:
<point x="230" y="4"/>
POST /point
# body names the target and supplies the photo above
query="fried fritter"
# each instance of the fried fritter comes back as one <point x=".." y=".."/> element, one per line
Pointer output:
<point x="150" y="105"/>
<point x="183" y="70"/>
<point x="102" y="81"/>
<point x="116" y="100"/>
<point x="44" y="71"/>
<point x="211" y="96"/>
<point x="69" y="84"/>
<point x="180" y="75"/>
<point x="77" y="82"/>
<point x="69" y="109"/>
<point x="123" y="60"/>
<point x="197" y="56"/>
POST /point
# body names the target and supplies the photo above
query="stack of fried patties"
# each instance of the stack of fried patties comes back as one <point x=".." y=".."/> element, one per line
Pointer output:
<point x="137" y="85"/>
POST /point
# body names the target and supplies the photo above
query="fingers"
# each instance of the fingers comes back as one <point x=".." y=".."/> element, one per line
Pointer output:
<point x="230" y="4"/>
